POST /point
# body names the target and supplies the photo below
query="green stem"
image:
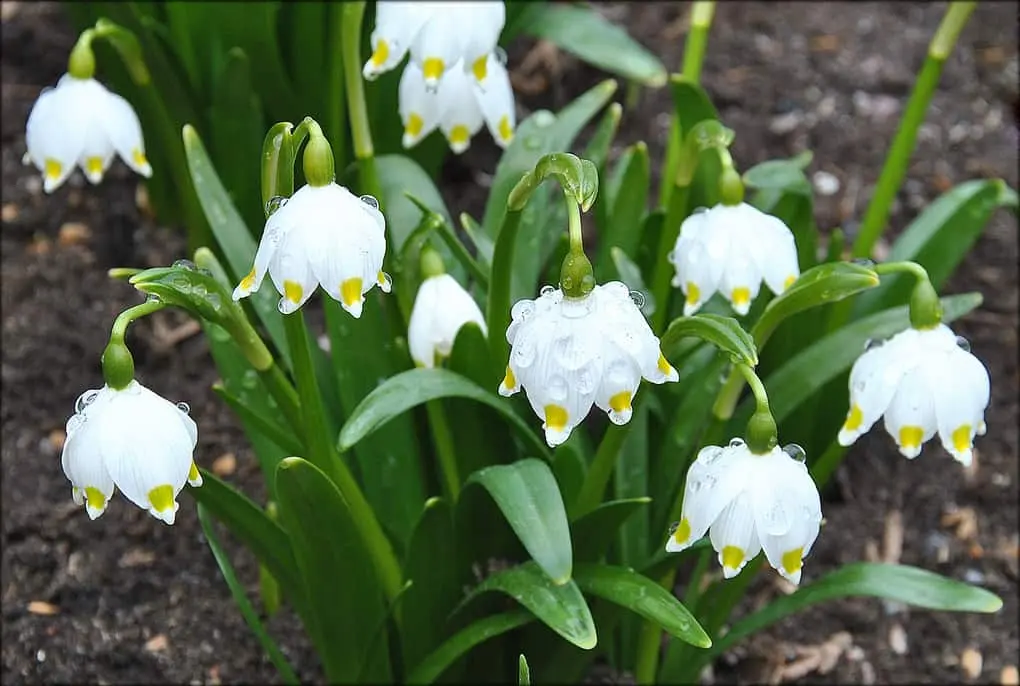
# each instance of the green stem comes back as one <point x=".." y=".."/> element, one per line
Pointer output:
<point x="601" y="468"/>
<point x="459" y="251"/>
<point x="903" y="144"/>
<point x="324" y="456"/>
<point x="335" y="111"/>
<point x="284" y="393"/>
<point x="129" y="315"/>
<point x="497" y="316"/>
<point x="697" y="39"/>
<point x="649" y="643"/>
<point x="357" y="109"/>
<point x="925" y="306"/>
<point x="661" y="290"/>
<point x="573" y="223"/>
<point x="444" y="449"/>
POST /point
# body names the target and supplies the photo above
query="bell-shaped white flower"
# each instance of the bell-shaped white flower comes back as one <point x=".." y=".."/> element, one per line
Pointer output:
<point x="81" y="122"/>
<point x="731" y="249"/>
<point x="748" y="502"/>
<point x="326" y="236"/>
<point x="458" y="105"/>
<point x="441" y="308"/>
<point x="571" y="353"/>
<point x="441" y="36"/>
<point x="923" y="381"/>
<point x="134" y="440"/>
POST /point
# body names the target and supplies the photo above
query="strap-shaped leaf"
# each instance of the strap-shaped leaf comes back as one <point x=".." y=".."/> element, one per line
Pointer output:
<point x="529" y="498"/>
<point x="466" y="639"/>
<point x="628" y="197"/>
<point x="593" y="532"/>
<point x="335" y="569"/>
<point x="819" y="285"/>
<point x="413" y="387"/>
<point x="723" y="332"/>
<point x="625" y="587"/>
<point x="902" y="583"/>
<point x="781" y="174"/>
<point x="561" y="607"/>
<point x="585" y="33"/>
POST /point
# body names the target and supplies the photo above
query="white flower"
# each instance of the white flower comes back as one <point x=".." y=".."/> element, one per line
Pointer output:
<point x="441" y="308"/>
<point x="923" y="381"/>
<point x="748" y="502"/>
<point x="134" y="440"/>
<point x="323" y="235"/>
<point x="730" y="249"/>
<point x="459" y="105"/>
<point x="571" y="353"/>
<point x="81" y="122"/>
<point x="441" y="36"/>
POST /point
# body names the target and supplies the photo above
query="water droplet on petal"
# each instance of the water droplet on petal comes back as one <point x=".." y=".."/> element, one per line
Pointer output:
<point x="796" y="452"/>
<point x="185" y="264"/>
<point x="638" y="298"/>
<point x="557" y="389"/>
<point x="152" y="298"/>
<point x="700" y="210"/>
<point x="84" y="400"/>
<point x="387" y="282"/>
<point x="672" y="529"/>
<point x="864" y="262"/>
<point x="500" y="55"/>
<point x="275" y="203"/>
<point x="522" y="310"/>
<point x="710" y="454"/>
<point x="546" y="290"/>
<point x="873" y="343"/>
<point x="737" y="443"/>
<point x="370" y="201"/>
<point x="184" y="407"/>
<point x="963" y="343"/>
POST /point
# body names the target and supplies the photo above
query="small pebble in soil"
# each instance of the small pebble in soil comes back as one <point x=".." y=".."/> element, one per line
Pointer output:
<point x="41" y="607"/>
<point x="1009" y="676"/>
<point x="40" y="655"/>
<point x="225" y="464"/>
<point x="825" y="183"/>
<point x="10" y="212"/>
<point x="973" y="576"/>
<point x="898" y="639"/>
<point x="73" y="233"/>
<point x="971" y="661"/>
<point x="157" y="643"/>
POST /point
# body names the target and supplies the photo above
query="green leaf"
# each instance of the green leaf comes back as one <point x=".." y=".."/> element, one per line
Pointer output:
<point x="593" y="532"/>
<point x="813" y="367"/>
<point x="435" y="664"/>
<point x="819" y="285"/>
<point x="561" y="607"/>
<point x="940" y="238"/>
<point x="235" y="242"/>
<point x="598" y="146"/>
<point x="631" y="480"/>
<point x="414" y="387"/>
<point x="529" y="498"/>
<point x="244" y="605"/>
<point x="523" y="673"/>
<point x="261" y="422"/>
<point x="691" y="105"/>
<point x="401" y="176"/>
<point x="335" y="568"/>
<point x="431" y="565"/>
<point x="629" y="200"/>
<point x="261" y="535"/>
<point x="723" y="332"/>
<point x="625" y="587"/>
<point x="781" y="174"/>
<point x="910" y="585"/>
<point x="484" y="245"/>
<point x="630" y="274"/>
<point x="585" y="33"/>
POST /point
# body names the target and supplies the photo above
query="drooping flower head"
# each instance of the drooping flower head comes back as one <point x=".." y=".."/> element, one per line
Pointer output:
<point x="732" y="249"/>
<point x="82" y="123"/>
<point x="923" y="381"/>
<point x="326" y="236"/>
<point x="570" y="353"/>
<point x="439" y="36"/>
<point x="748" y="502"/>
<point x="134" y="440"/>
<point x="456" y="79"/>
<point x="441" y="308"/>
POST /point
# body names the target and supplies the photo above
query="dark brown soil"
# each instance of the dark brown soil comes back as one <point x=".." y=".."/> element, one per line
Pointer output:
<point x="133" y="601"/>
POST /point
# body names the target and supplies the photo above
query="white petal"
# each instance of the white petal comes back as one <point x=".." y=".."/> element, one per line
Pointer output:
<point x="714" y="479"/>
<point x="695" y="275"/>
<point x="272" y="236"/>
<point x="396" y="25"/>
<point x="873" y="381"/>
<point x="788" y="511"/>
<point x="961" y="390"/>
<point x="82" y="462"/>
<point x="910" y="417"/>
<point x="734" y="536"/>
<point x="291" y="270"/>
<point x="420" y="339"/>
<point x="147" y="448"/>
<point x="125" y="133"/>
<point x="620" y="382"/>
<point x="56" y="130"/>
<point x="496" y="100"/>
<point x="437" y="49"/>
<point x="741" y="279"/>
<point x="461" y="116"/>
<point x="771" y="246"/>
<point x="480" y="23"/>
<point x="420" y="106"/>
